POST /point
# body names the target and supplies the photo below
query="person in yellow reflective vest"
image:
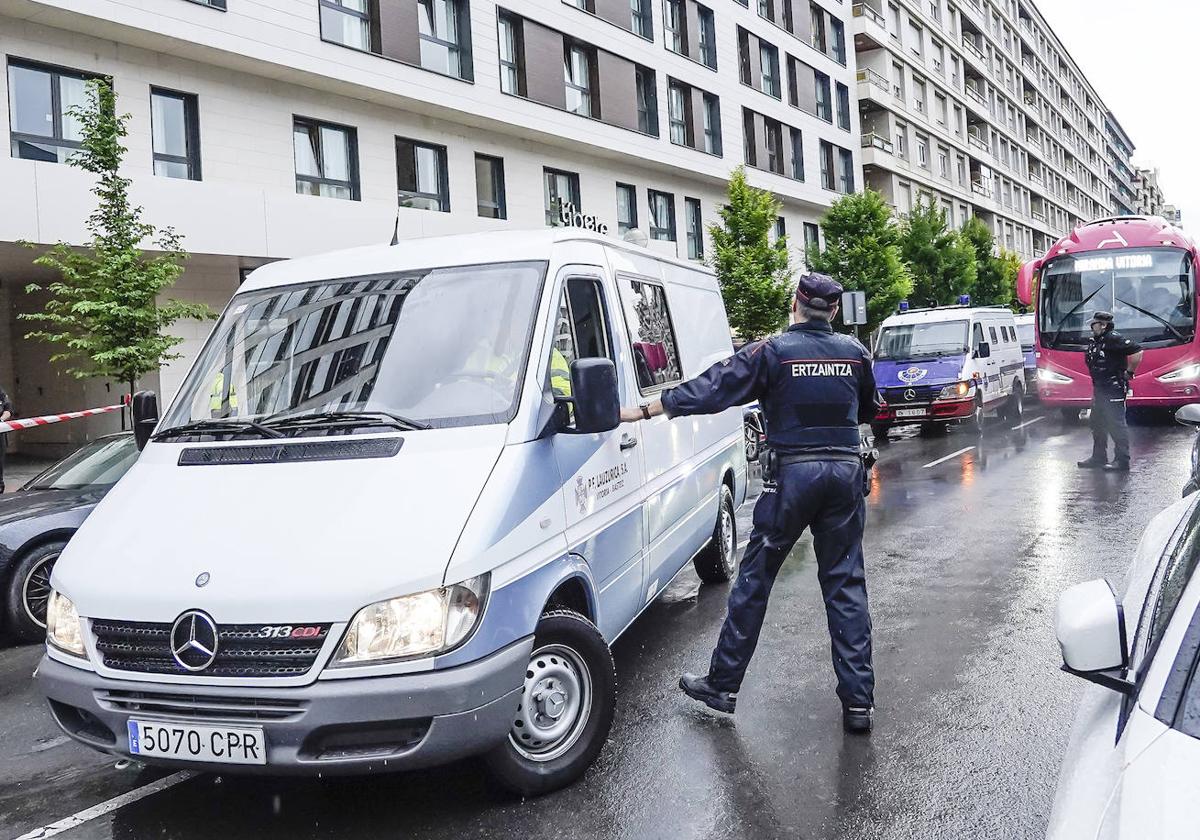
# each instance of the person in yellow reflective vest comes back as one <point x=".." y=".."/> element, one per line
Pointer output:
<point x="216" y="398"/>
<point x="560" y="373"/>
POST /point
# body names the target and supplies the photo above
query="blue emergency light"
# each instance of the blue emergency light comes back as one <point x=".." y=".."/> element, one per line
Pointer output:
<point x="903" y="306"/>
<point x="964" y="300"/>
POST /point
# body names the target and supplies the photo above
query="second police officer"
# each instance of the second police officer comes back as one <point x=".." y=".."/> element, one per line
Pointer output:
<point x="815" y="387"/>
<point x="1111" y="359"/>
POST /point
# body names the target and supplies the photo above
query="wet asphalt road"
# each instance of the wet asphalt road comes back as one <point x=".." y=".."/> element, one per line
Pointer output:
<point x="965" y="562"/>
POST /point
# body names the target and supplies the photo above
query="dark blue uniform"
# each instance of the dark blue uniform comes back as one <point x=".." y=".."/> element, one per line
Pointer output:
<point x="815" y="387"/>
<point x="1107" y="361"/>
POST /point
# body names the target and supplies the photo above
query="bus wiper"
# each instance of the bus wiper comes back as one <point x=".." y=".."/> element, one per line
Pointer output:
<point x="1182" y="338"/>
<point x="349" y="418"/>
<point x="218" y="426"/>
<point x="1059" y="326"/>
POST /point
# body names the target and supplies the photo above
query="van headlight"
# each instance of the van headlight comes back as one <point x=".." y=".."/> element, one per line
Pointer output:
<point x="957" y="391"/>
<point x="422" y="624"/>
<point x="1047" y="375"/>
<point x="63" y="626"/>
<point x="1188" y="372"/>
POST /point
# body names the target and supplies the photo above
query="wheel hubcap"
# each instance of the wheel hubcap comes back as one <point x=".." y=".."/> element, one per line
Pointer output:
<point x="36" y="590"/>
<point x="726" y="535"/>
<point x="555" y="704"/>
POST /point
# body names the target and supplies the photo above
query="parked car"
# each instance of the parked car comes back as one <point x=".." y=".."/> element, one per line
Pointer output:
<point x="37" y="521"/>
<point x="1133" y="762"/>
<point x="1189" y="415"/>
<point x="755" y="428"/>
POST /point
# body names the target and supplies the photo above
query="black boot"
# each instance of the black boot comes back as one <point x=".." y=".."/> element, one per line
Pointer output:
<point x="698" y="688"/>
<point x="1119" y="465"/>
<point x="1092" y="463"/>
<point x="857" y="719"/>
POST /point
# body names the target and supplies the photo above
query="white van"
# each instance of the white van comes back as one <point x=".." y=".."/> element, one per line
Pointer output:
<point x="380" y="527"/>
<point x="948" y="364"/>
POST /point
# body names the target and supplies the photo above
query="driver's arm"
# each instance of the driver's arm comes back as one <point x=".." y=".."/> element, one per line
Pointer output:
<point x="1133" y="360"/>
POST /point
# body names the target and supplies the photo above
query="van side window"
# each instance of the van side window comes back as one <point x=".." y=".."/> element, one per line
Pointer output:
<point x="580" y="331"/>
<point x="655" y="353"/>
<point x="976" y="336"/>
<point x="992" y="332"/>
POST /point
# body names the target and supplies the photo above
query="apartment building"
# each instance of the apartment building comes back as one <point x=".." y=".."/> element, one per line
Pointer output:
<point x="1150" y="198"/>
<point x="979" y="106"/>
<point x="1122" y="189"/>
<point x="1173" y="215"/>
<point x="267" y="129"/>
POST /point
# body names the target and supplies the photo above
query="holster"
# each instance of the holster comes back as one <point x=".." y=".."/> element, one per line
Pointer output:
<point x="768" y="460"/>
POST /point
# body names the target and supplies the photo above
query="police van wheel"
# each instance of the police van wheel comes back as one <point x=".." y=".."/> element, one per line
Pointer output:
<point x="1015" y="410"/>
<point x="716" y="561"/>
<point x="565" y="709"/>
<point x="977" y="422"/>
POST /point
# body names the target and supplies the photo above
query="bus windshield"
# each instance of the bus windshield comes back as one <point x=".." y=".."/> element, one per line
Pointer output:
<point x="442" y="347"/>
<point x="1150" y="291"/>
<point x="933" y="338"/>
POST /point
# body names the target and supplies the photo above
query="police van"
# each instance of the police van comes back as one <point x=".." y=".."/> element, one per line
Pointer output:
<point x="949" y="364"/>
<point x="378" y="528"/>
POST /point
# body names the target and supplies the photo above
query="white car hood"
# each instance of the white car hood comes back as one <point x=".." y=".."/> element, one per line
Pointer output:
<point x="281" y="543"/>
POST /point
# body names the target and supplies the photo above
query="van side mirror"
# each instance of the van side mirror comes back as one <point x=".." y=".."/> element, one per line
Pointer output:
<point x="1090" y="625"/>
<point x="595" y="396"/>
<point x="1188" y="415"/>
<point x="983" y="351"/>
<point x="144" y="408"/>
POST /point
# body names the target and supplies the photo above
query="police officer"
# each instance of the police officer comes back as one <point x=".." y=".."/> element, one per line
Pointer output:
<point x="816" y="387"/>
<point x="6" y="413"/>
<point x="1111" y="360"/>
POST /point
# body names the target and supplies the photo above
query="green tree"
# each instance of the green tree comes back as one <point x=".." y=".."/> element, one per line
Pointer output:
<point x="754" y="274"/>
<point x="942" y="263"/>
<point x="103" y="312"/>
<point x="862" y="252"/>
<point x="996" y="279"/>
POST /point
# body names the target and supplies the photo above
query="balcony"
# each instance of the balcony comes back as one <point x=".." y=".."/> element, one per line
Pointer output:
<point x="974" y="48"/>
<point x="870" y="13"/>
<point x="877" y="141"/>
<point x="977" y="141"/>
<point x="1038" y="215"/>
<point x="976" y="95"/>
<point x="1037" y="179"/>
<point x="872" y="77"/>
<point x="982" y="188"/>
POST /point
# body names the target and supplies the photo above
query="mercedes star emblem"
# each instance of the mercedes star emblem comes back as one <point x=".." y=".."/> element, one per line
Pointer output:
<point x="194" y="641"/>
<point x="202" y="579"/>
<point x="910" y="395"/>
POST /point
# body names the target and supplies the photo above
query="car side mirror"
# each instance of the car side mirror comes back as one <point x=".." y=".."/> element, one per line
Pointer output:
<point x="1090" y="625"/>
<point x="594" y="395"/>
<point x="983" y="351"/>
<point x="144" y="408"/>
<point x="1188" y="415"/>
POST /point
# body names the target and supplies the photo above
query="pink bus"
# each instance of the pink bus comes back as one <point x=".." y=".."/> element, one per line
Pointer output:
<point x="1143" y="270"/>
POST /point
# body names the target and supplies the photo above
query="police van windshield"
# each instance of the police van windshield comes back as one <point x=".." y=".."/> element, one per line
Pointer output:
<point x="1150" y="291"/>
<point x="437" y="347"/>
<point x="932" y="338"/>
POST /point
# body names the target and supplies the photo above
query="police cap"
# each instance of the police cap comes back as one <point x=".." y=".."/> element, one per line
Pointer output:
<point x="1102" y="317"/>
<point x="819" y="291"/>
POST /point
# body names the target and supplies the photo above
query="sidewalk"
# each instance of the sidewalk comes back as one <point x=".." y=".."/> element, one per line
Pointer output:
<point x="20" y="468"/>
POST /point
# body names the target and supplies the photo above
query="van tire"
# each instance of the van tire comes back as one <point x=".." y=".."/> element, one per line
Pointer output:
<point x="1014" y="411"/>
<point x="715" y="563"/>
<point x="28" y="591"/>
<point x="977" y="422"/>
<point x="569" y="655"/>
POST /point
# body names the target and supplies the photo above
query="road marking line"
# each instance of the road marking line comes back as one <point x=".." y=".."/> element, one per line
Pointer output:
<point x="1029" y="422"/>
<point x="947" y="457"/>
<point x="89" y="814"/>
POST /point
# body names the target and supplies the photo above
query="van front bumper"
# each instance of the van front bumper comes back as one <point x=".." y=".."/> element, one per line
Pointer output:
<point x="360" y="725"/>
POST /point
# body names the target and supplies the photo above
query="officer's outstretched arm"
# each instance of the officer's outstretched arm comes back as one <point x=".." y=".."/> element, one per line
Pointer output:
<point x="738" y="380"/>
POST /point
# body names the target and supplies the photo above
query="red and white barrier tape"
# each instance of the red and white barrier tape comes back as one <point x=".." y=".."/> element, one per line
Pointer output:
<point x="46" y="420"/>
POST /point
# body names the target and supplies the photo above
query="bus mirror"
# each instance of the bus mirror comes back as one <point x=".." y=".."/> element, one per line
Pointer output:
<point x="1025" y="280"/>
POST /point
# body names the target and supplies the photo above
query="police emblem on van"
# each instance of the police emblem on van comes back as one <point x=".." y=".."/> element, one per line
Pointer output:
<point x="913" y="374"/>
<point x="581" y="494"/>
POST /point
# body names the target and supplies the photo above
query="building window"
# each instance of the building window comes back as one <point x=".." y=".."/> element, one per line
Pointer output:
<point x="695" y="228"/>
<point x="712" y="125"/>
<point x="744" y="56"/>
<point x="797" y="154"/>
<point x="640" y="20"/>
<point x="577" y="74"/>
<point x="627" y="219"/>
<point x="38" y="101"/>
<point x="347" y="22"/>
<point x="769" y="62"/>
<point x="175" y="132"/>
<point x="326" y="159"/>
<point x="512" y="62"/>
<point x="827" y="164"/>
<point x="749" y="141"/>
<point x="675" y="26"/>
<point x="560" y="188"/>
<point x="839" y="39"/>
<point x="824" y="105"/>
<point x="818" y="28"/>
<point x="843" y="107"/>
<point x="679" y="106"/>
<point x="443" y="26"/>
<point x="773" y="132"/>
<point x="779" y="229"/>
<point x="647" y="100"/>
<point x="812" y="243"/>
<point x="489" y="187"/>
<point x="662" y="215"/>
<point x="846" y="174"/>
<point x="215" y="4"/>
<point x="708" y="37"/>
<point x="922" y="151"/>
<point x="421" y="175"/>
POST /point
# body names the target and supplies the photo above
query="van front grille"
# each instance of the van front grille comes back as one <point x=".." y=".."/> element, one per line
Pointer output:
<point x="242" y="651"/>
<point x="199" y="706"/>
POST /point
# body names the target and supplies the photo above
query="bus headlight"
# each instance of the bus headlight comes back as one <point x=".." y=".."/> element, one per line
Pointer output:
<point x="1047" y="375"/>
<point x="421" y="624"/>
<point x="1187" y="372"/>
<point x="62" y="625"/>
<point x="958" y="391"/>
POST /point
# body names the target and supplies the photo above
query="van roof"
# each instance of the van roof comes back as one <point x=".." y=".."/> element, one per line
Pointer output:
<point x="432" y="251"/>
<point x="944" y="313"/>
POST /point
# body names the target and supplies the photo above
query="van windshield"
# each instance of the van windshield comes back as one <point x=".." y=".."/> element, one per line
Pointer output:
<point x="932" y="338"/>
<point x="440" y="347"/>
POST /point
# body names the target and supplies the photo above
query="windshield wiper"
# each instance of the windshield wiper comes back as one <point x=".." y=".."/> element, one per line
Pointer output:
<point x="1182" y="338"/>
<point x="1058" y="328"/>
<point x="347" y="418"/>
<point x="218" y="426"/>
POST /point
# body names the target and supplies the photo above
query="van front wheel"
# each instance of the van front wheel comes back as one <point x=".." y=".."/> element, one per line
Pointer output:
<point x="565" y="709"/>
<point x="716" y="561"/>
